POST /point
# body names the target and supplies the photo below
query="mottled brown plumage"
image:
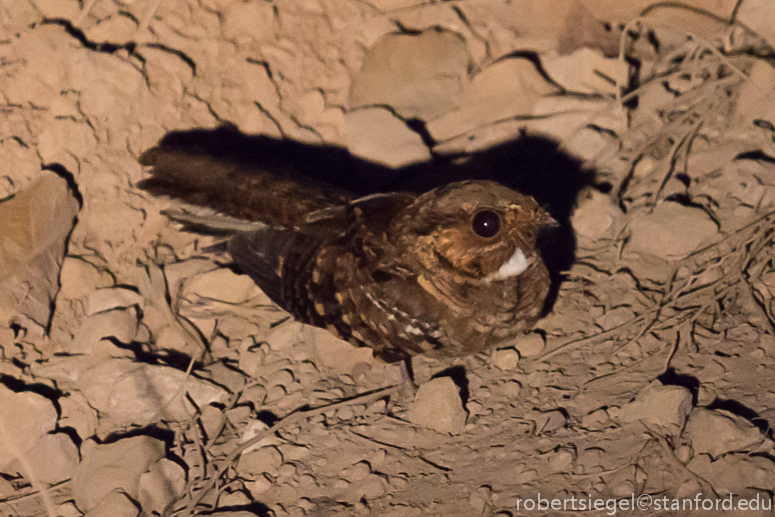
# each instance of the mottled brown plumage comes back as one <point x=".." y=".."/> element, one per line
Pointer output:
<point x="451" y="272"/>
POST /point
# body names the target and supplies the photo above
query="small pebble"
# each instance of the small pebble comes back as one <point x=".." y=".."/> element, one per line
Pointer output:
<point x="530" y="345"/>
<point x="356" y="472"/>
<point x="437" y="406"/>
<point x="505" y="359"/>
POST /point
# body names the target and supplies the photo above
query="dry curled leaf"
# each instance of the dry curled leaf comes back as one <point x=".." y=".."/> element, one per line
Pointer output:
<point x="34" y="226"/>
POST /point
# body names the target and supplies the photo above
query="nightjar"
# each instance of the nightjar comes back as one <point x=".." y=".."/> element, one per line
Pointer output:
<point x="450" y="272"/>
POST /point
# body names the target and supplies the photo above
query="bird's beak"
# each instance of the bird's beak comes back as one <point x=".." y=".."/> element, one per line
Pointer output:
<point x="547" y="221"/>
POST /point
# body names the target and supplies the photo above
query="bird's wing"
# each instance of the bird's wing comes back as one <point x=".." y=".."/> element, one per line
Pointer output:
<point x="275" y="258"/>
<point x="409" y="318"/>
<point x="295" y="267"/>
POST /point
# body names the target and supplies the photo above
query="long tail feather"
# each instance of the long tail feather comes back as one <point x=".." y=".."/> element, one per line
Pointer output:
<point x="242" y="190"/>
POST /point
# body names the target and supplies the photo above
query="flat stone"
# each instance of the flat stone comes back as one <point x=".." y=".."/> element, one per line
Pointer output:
<point x="506" y="89"/>
<point x="671" y="231"/>
<point x="26" y="418"/>
<point x="715" y="432"/>
<point x="118" y="465"/>
<point x="659" y="407"/>
<point x="418" y="75"/>
<point x="222" y="285"/>
<point x="379" y="136"/>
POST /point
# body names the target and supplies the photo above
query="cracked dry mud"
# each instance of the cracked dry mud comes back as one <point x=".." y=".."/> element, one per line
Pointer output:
<point x="651" y="376"/>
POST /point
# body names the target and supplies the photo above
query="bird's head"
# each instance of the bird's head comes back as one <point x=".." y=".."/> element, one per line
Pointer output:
<point x="479" y="230"/>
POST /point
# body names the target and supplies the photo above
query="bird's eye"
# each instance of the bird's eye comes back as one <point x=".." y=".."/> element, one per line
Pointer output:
<point x="486" y="223"/>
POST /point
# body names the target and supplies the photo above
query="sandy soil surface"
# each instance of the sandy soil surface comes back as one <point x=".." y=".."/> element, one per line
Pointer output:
<point x="139" y="374"/>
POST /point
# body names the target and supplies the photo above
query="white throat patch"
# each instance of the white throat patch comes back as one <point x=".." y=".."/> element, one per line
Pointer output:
<point x="512" y="267"/>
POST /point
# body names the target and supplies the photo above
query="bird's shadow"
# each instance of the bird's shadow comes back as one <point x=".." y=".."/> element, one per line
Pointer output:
<point x="530" y="164"/>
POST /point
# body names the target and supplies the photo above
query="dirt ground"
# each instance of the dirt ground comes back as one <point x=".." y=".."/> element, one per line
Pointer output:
<point x="141" y="376"/>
